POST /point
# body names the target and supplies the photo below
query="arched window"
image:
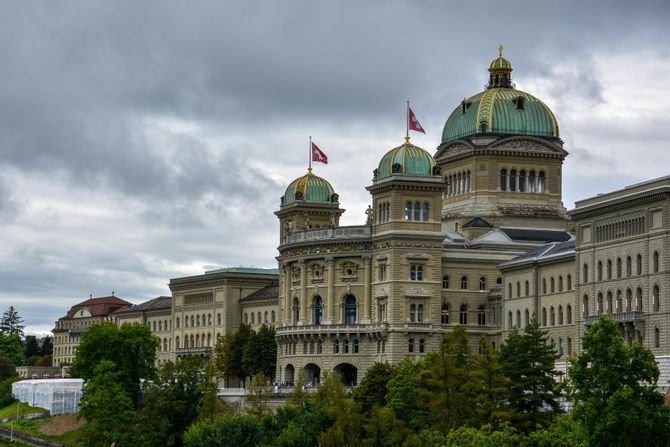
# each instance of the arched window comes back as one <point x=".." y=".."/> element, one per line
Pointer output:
<point x="552" y="316"/>
<point x="609" y="269"/>
<point x="657" y="338"/>
<point x="585" y="306"/>
<point x="560" y="314"/>
<point x="444" y="314"/>
<point x="510" y="323"/>
<point x="272" y="316"/>
<point x="522" y="181"/>
<point x="569" y="282"/>
<point x="527" y="288"/>
<point x="619" y="301"/>
<point x="531" y="181"/>
<point x="192" y="321"/>
<point x="463" y="318"/>
<point x="464" y="282"/>
<point x="408" y="211"/>
<point x="629" y="266"/>
<point x="512" y="180"/>
<point x="482" y="283"/>
<point x="336" y="346"/>
<point x="655" y="262"/>
<point x="246" y="318"/>
<point x="355" y="346"/>
<point x="656" y="303"/>
<point x="445" y="282"/>
<point x="410" y="345"/>
<point x="560" y="283"/>
<point x="618" y="267"/>
<point x="218" y="319"/>
<point x="350" y="310"/>
<point x="419" y="313"/>
<point x="552" y="288"/>
<point x="544" y="286"/>
<point x="569" y="346"/>
<point x="629" y="300"/>
<point x="265" y="317"/>
<point x="177" y="322"/>
<point x="296" y="311"/>
<point x="259" y="318"/>
<point x="422" y="345"/>
<point x="599" y="304"/>
<point x="639" y="264"/>
<point x="568" y="314"/>
<point x="540" y="182"/>
<point x="509" y="290"/>
<point x="609" y="302"/>
<point x="503" y="179"/>
<point x="176" y="342"/>
<point x="346" y="346"/>
<point x="426" y="211"/>
<point x="412" y="313"/>
<point x="253" y="318"/>
<point x="417" y="211"/>
<point x="209" y="319"/>
<point x="318" y="309"/>
<point x="518" y="318"/>
<point x="544" y="316"/>
<point x="518" y="289"/>
<point x="600" y="271"/>
<point x="481" y="315"/>
<point x="585" y="273"/>
<point x="526" y="318"/>
<point x="638" y="299"/>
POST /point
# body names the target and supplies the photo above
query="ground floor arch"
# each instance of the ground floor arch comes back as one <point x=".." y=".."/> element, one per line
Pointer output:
<point x="313" y="374"/>
<point x="348" y="372"/>
<point x="289" y="374"/>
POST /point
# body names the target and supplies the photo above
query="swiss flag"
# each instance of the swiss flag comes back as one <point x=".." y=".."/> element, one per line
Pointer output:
<point x="414" y="123"/>
<point x="318" y="155"/>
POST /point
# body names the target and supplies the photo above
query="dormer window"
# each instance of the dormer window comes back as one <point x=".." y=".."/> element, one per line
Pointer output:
<point x="520" y="103"/>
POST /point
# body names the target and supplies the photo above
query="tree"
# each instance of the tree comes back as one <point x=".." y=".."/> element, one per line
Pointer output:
<point x="260" y="352"/>
<point x="403" y="396"/>
<point x="492" y="388"/>
<point x="7" y="368"/>
<point x="32" y="350"/>
<point x="47" y="346"/>
<point x="229" y="354"/>
<point x="11" y="323"/>
<point x="12" y="348"/>
<point x="107" y="406"/>
<point x="131" y="347"/>
<point x="230" y="431"/>
<point x="529" y="364"/>
<point x="372" y="390"/>
<point x="613" y="389"/>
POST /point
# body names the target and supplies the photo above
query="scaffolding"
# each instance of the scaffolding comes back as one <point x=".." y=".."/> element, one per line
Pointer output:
<point x="59" y="396"/>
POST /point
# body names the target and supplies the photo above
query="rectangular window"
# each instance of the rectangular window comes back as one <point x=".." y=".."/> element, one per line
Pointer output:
<point x="382" y="272"/>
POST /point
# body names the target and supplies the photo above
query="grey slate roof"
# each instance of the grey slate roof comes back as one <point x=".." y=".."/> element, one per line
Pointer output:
<point x="266" y="293"/>
<point x="543" y="252"/>
<point x="159" y="303"/>
<point x="536" y="235"/>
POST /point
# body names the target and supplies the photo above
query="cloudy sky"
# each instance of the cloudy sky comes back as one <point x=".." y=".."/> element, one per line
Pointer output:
<point x="142" y="141"/>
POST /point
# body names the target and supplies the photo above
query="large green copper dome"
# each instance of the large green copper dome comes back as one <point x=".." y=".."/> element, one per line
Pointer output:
<point x="500" y="109"/>
<point x="409" y="160"/>
<point x="309" y="188"/>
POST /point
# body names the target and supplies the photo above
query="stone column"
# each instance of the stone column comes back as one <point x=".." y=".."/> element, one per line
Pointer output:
<point x="287" y="295"/>
<point x="367" y="292"/>
<point x="303" y="293"/>
<point x="330" y="298"/>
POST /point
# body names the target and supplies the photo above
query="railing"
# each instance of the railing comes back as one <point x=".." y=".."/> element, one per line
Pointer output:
<point x="349" y="232"/>
<point x="326" y="329"/>
<point x="622" y="317"/>
<point x="199" y="350"/>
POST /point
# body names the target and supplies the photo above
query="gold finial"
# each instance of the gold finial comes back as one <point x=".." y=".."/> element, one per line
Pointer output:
<point x="309" y="170"/>
<point x="407" y="139"/>
<point x="500" y="48"/>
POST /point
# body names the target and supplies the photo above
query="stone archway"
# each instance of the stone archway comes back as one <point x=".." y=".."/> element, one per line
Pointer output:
<point x="289" y="374"/>
<point x="348" y="372"/>
<point x="313" y="374"/>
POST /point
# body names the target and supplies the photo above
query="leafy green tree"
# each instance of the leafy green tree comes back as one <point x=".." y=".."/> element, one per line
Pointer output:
<point x="491" y="388"/>
<point x="6" y="397"/>
<point x="131" y="347"/>
<point x="229" y="354"/>
<point x="171" y="402"/>
<point x="259" y="395"/>
<point x="31" y="350"/>
<point x="107" y="406"/>
<point x="528" y="361"/>
<point x="7" y="368"/>
<point x="486" y="436"/>
<point x="260" y="352"/>
<point x="372" y="390"/>
<point x="11" y="323"/>
<point x="47" y="346"/>
<point x="613" y="389"/>
<point x="12" y="348"/>
<point x="384" y="429"/>
<point x="228" y="431"/>
<point x="209" y="405"/>
<point x="403" y="395"/>
<point x="332" y="400"/>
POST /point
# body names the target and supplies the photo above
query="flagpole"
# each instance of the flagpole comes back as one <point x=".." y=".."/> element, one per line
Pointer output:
<point x="310" y="154"/>
<point x="407" y="125"/>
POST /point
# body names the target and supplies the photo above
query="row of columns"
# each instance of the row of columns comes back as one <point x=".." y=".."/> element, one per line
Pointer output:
<point x="330" y="294"/>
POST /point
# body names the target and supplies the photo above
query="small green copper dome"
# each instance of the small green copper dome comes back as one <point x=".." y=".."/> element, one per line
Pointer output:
<point x="500" y="109"/>
<point x="409" y="160"/>
<point x="309" y="188"/>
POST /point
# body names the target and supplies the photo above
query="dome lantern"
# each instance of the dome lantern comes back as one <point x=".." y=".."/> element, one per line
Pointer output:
<point x="309" y="188"/>
<point x="500" y="72"/>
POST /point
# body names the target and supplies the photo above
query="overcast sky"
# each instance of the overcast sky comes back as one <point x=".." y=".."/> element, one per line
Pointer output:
<point x="142" y="141"/>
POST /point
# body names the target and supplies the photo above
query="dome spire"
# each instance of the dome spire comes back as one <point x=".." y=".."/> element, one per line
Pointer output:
<point x="500" y="71"/>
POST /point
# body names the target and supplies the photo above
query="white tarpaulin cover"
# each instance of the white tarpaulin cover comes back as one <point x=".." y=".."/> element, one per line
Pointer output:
<point x="59" y="396"/>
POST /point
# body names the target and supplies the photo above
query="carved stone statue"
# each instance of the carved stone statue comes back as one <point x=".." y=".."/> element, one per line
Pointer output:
<point x="370" y="215"/>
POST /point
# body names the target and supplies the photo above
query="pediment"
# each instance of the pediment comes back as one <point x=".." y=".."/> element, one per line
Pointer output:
<point x="528" y="144"/>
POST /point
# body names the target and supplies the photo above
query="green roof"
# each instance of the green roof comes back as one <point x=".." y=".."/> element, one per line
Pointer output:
<point x="252" y="270"/>
<point x="413" y="161"/>
<point x="311" y="187"/>
<point x="496" y="110"/>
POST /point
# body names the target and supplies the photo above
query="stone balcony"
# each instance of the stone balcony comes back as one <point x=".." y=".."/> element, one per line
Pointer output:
<point x="621" y="317"/>
<point x="194" y="350"/>
<point x="349" y="232"/>
<point x="325" y="330"/>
